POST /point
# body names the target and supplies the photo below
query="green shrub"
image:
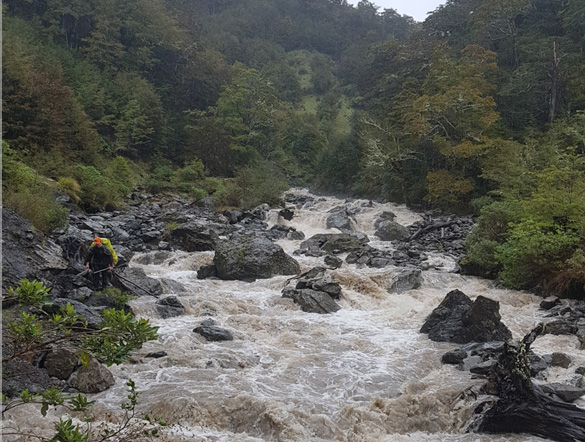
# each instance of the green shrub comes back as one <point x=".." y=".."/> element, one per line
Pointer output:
<point x="192" y="172"/>
<point x="96" y="190"/>
<point x="255" y="185"/>
<point x="39" y="208"/>
<point x="118" y="297"/>
<point x="30" y="293"/>
<point x="532" y="255"/>
<point x="71" y="187"/>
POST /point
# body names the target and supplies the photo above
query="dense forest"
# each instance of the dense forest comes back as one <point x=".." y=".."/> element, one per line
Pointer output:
<point x="479" y="109"/>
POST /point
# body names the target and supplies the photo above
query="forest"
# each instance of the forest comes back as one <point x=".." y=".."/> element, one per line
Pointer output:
<point x="480" y="109"/>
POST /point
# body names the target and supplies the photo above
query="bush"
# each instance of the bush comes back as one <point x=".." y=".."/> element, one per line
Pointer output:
<point x="255" y="185"/>
<point x="39" y="208"/>
<point x="96" y="190"/>
<point x="533" y="255"/>
<point x="71" y="187"/>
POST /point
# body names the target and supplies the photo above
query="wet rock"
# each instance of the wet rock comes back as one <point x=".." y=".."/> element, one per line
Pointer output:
<point x="94" y="378"/>
<point x="537" y="364"/>
<point x="27" y="253"/>
<point x="211" y="332"/>
<point x="169" y="307"/>
<point x="567" y="393"/>
<point x="233" y="216"/>
<point x="91" y="315"/>
<point x="287" y="214"/>
<point x="156" y="354"/>
<point x="209" y="271"/>
<point x="135" y="282"/>
<point x="580" y="370"/>
<point x="195" y="236"/>
<point x="392" y="231"/>
<point x="311" y="301"/>
<point x="341" y="219"/>
<point x="333" y="261"/>
<point x="405" y="279"/>
<point x="324" y="243"/>
<point x="281" y="232"/>
<point x="171" y="286"/>
<point x="18" y="376"/>
<point x="458" y="319"/>
<point x="62" y="362"/>
<point x="549" y="302"/>
<point x="249" y="257"/>
<point x="326" y="285"/>
<point x="560" y="360"/>
<point x="454" y="357"/>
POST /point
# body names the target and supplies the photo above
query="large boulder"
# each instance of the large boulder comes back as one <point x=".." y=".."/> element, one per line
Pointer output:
<point x="461" y="320"/>
<point x="391" y="231"/>
<point x="93" y="378"/>
<point x="195" y="236"/>
<point x="311" y="301"/>
<point x="332" y="243"/>
<point x="169" y="307"/>
<point x="26" y="252"/>
<point x="249" y="257"/>
<point x="135" y="282"/>
<point x="405" y="279"/>
<point x="340" y="219"/>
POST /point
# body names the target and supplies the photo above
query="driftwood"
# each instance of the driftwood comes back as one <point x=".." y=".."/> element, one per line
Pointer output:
<point x="522" y="406"/>
<point x="426" y="229"/>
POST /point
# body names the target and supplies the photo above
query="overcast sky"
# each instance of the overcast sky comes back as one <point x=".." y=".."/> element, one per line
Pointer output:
<point x="417" y="9"/>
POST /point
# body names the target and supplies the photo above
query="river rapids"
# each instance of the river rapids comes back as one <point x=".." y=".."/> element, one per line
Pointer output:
<point x="362" y="374"/>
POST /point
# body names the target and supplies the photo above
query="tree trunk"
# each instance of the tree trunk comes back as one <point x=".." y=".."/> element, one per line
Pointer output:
<point x="522" y="406"/>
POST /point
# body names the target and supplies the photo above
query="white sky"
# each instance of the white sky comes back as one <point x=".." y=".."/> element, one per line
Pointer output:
<point x="417" y="9"/>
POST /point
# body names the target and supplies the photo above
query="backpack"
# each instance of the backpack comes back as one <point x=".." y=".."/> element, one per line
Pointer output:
<point x="106" y="242"/>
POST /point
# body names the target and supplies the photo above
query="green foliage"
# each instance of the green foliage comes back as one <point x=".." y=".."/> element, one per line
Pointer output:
<point x="121" y="334"/>
<point x="531" y="254"/>
<point x="254" y="185"/>
<point x="118" y="297"/>
<point x="96" y="190"/>
<point x="30" y="293"/>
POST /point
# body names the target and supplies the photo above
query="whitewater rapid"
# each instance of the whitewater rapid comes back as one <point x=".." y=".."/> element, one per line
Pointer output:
<point x="364" y="373"/>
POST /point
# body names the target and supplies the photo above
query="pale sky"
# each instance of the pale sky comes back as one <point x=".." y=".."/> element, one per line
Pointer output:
<point x="417" y="9"/>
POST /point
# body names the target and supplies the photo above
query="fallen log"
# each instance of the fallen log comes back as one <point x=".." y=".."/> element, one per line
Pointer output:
<point x="427" y="229"/>
<point x="522" y="407"/>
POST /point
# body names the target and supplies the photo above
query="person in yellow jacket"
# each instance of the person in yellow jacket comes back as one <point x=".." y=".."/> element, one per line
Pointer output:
<point x="102" y="260"/>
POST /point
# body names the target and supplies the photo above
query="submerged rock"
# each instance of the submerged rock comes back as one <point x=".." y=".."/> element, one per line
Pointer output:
<point x="211" y="332"/>
<point x="311" y="301"/>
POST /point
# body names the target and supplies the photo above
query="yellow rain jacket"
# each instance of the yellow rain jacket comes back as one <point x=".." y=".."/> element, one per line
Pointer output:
<point x="106" y="242"/>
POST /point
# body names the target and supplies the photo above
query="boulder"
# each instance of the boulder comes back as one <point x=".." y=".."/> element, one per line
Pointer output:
<point x="26" y="252"/>
<point x="91" y="315"/>
<point x="405" y="279"/>
<point x="91" y="379"/>
<point x="169" y="307"/>
<point x="311" y="301"/>
<point x="341" y="220"/>
<point x="211" y="332"/>
<point x="135" y="282"/>
<point x="392" y="231"/>
<point x="194" y="236"/>
<point x="332" y="243"/>
<point x="567" y="393"/>
<point x="249" y="257"/>
<point x="62" y="362"/>
<point x="458" y="319"/>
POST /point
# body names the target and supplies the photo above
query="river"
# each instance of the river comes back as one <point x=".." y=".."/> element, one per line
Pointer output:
<point x="364" y="373"/>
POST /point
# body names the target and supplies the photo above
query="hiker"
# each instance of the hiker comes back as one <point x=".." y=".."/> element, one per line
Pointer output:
<point x="101" y="261"/>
